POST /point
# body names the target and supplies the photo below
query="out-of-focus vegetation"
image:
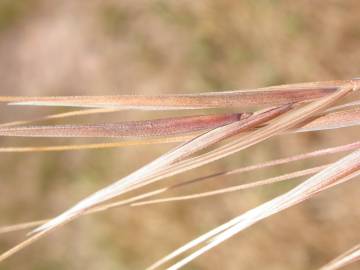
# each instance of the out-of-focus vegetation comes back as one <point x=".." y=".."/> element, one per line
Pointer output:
<point x="117" y="47"/>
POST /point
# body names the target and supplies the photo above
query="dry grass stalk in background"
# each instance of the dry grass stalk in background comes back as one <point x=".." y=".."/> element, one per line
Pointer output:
<point x="296" y="108"/>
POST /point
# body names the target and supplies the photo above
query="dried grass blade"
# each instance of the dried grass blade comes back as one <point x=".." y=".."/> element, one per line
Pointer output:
<point x="349" y="257"/>
<point x="172" y="126"/>
<point x="141" y="175"/>
<point x="148" y="128"/>
<point x="344" y="169"/>
<point x="269" y="96"/>
<point x="333" y="120"/>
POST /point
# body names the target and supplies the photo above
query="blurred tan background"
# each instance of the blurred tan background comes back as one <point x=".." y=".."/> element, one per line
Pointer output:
<point x="117" y="47"/>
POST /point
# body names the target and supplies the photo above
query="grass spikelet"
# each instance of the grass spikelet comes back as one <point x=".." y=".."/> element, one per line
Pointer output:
<point x="177" y="154"/>
<point x="265" y="113"/>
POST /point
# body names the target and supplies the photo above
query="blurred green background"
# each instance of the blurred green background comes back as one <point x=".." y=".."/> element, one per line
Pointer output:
<point x="116" y="47"/>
